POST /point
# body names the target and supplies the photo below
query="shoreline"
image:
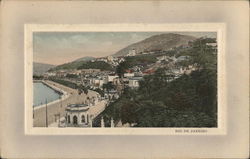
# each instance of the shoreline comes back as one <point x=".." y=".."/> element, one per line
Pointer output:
<point x="63" y="95"/>
<point x="57" y="108"/>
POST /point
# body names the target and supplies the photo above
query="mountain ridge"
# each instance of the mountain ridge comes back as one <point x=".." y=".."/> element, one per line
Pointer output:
<point x="41" y="68"/>
<point x="156" y="42"/>
<point x="85" y="58"/>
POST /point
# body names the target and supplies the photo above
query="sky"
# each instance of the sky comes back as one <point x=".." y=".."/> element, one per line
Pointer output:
<point x="61" y="47"/>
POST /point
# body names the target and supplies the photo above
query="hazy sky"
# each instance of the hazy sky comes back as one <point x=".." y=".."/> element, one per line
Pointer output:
<point x="61" y="47"/>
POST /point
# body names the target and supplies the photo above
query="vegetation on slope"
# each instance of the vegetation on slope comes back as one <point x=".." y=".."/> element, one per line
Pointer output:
<point x="67" y="66"/>
<point x="139" y="60"/>
<point x="65" y="83"/>
<point x="96" y="65"/>
<point x="189" y="101"/>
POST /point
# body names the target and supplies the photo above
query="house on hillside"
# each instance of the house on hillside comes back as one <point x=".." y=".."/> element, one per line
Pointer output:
<point x="213" y="45"/>
<point x="182" y="58"/>
<point x="88" y="71"/>
<point x="61" y="73"/>
<point x="129" y="75"/>
<point x="109" y="78"/>
<point x="161" y="58"/>
<point x="131" y="52"/>
<point x="98" y="83"/>
<point x="134" y="82"/>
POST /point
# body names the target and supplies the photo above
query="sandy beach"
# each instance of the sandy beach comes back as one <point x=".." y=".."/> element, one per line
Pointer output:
<point x="59" y="106"/>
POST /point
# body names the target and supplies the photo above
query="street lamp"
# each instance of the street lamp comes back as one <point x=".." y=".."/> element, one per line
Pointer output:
<point x="46" y="114"/>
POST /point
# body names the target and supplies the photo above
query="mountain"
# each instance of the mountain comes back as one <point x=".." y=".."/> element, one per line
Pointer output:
<point x="74" y="64"/>
<point x="86" y="58"/>
<point x="157" y="42"/>
<point x="41" y="68"/>
<point x="69" y="65"/>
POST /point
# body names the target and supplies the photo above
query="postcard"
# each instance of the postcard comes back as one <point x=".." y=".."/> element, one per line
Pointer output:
<point x="125" y="79"/>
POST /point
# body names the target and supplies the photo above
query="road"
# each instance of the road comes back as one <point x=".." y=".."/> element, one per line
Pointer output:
<point x="59" y="107"/>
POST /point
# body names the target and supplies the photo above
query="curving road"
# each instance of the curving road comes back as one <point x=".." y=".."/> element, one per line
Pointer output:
<point x="59" y="107"/>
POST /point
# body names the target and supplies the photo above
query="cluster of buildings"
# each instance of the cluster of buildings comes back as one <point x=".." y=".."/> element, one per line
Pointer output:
<point x="112" y="85"/>
<point x="96" y="78"/>
<point x="113" y="61"/>
<point x="171" y="58"/>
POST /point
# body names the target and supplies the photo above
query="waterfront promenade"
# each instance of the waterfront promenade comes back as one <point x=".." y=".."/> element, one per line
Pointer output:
<point x="59" y="107"/>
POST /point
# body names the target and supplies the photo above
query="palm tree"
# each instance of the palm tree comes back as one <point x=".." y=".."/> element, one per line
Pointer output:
<point x="108" y="87"/>
<point x="82" y="89"/>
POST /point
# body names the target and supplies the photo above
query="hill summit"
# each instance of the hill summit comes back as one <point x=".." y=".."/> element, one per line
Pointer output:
<point x="157" y="42"/>
<point x="85" y="58"/>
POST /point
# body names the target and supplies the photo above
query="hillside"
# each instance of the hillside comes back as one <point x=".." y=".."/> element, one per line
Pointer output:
<point x="70" y="65"/>
<point x="96" y="65"/>
<point x="74" y="64"/>
<point x="162" y="100"/>
<point x="86" y="58"/>
<point x="40" y="68"/>
<point x="157" y="42"/>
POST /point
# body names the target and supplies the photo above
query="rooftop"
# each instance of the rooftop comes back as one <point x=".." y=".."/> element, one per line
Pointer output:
<point x="136" y="78"/>
<point x="77" y="105"/>
<point x="77" y="108"/>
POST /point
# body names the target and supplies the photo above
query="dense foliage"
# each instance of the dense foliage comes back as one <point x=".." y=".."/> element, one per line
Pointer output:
<point x="100" y="91"/>
<point x="96" y="65"/>
<point x="140" y="60"/>
<point x="37" y="77"/>
<point x="72" y="76"/>
<point x="162" y="101"/>
<point x="66" y="66"/>
<point x="65" y="83"/>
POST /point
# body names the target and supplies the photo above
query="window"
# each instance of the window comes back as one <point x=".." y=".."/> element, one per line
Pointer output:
<point x="75" y="120"/>
<point x="68" y="119"/>
<point x="83" y="119"/>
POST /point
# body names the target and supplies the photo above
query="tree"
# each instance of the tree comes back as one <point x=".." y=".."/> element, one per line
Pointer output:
<point x="108" y="87"/>
<point x="96" y="65"/>
<point x="164" y="101"/>
<point x="71" y="76"/>
<point x="82" y="89"/>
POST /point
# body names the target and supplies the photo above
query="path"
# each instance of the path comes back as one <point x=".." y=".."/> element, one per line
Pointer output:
<point x="59" y="107"/>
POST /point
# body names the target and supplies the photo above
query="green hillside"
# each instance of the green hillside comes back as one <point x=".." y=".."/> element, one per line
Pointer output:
<point x="96" y="65"/>
<point x="71" y="65"/>
<point x="188" y="101"/>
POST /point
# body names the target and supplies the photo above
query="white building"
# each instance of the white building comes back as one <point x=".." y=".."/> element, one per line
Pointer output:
<point x="129" y="75"/>
<point x="98" y="82"/>
<point x="110" y="58"/>
<point x="162" y="58"/>
<point x="212" y="44"/>
<point x="131" y="53"/>
<point x="121" y="60"/>
<point x="109" y="78"/>
<point x="134" y="82"/>
<point x="182" y="58"/>
<point x="50" y="74"/>
<point x="77" y="115"/>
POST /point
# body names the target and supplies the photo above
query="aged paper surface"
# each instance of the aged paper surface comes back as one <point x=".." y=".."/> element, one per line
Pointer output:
<point x="16" y="143"/>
